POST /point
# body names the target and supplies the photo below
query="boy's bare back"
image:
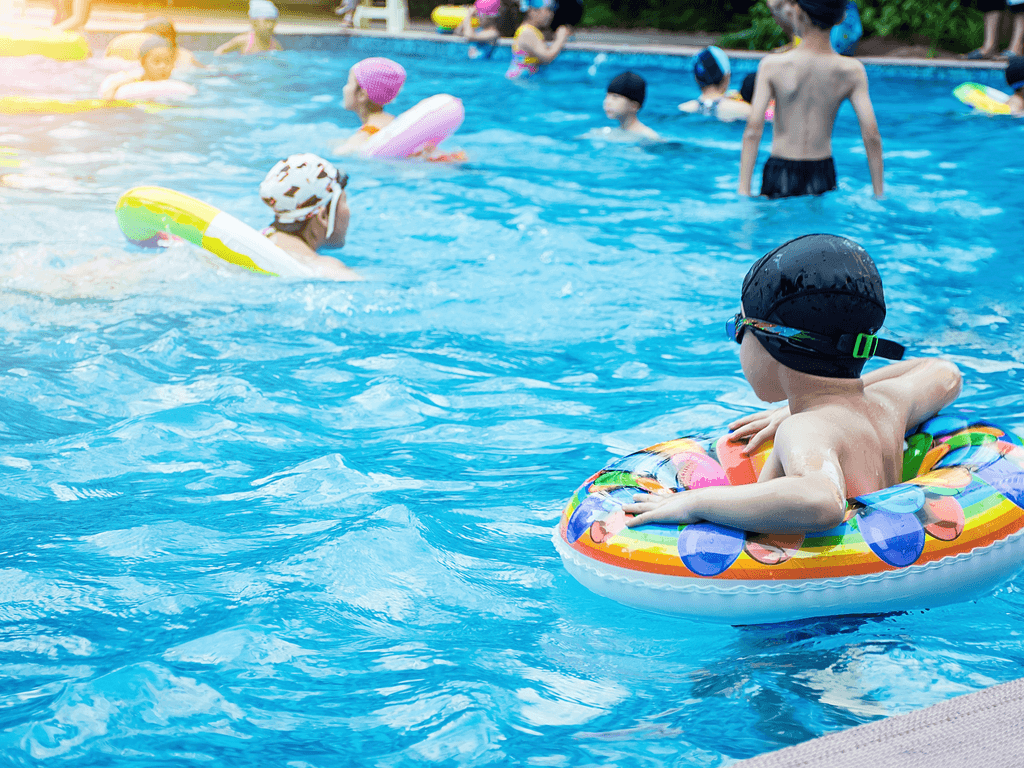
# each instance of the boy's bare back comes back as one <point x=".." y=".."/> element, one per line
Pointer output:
<point x="808" y="89"/>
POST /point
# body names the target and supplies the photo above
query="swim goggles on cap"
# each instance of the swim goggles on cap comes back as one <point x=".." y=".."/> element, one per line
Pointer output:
<point x="332" y="212"/>
<point x="857" y="345"/>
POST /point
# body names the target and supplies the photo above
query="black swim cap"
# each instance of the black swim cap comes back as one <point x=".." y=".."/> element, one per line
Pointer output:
<point x="824" y="284"/>
<point x="824" y="14"/>
<point x="630" y="85"/>
<point x="747" y="87"/>
<point x="1015" y="73"/>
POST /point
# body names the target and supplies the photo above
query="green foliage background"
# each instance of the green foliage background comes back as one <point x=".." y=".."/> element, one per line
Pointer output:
<point x="952" y="25"/>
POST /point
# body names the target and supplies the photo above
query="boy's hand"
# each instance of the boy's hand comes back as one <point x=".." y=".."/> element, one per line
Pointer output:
<point x="661" y="507"/>
<point x="762" y="426"/>
<point x="563" y="32"/>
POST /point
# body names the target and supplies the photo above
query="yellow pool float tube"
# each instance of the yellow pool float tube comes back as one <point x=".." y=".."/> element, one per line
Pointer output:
<point x="35" y="105"/>
<point x="20" y="40"/>
<point x="147" y="214"/>
<point x="448" y="17"/>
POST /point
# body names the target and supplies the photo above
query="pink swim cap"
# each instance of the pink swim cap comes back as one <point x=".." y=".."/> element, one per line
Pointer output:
<point x="487" y="7"/>
<point x="382" y="79"/>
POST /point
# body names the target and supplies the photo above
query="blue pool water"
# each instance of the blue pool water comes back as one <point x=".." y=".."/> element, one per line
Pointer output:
<point x="250" y="521"/>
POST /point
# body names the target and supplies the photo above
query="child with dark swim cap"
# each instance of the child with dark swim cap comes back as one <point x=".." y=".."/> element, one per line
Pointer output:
<point x="810" y="311"/>
<point x="1015" y="79"/>
<point x="625" y="97"/>
<point x="808" y="83"/>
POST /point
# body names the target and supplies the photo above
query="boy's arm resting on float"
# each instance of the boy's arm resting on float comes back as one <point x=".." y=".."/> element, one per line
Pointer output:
<point x="920" y="388"/>
<point x="811" y="496"/>
<point x="860" y="99"/>
<point x="763" y="92"/>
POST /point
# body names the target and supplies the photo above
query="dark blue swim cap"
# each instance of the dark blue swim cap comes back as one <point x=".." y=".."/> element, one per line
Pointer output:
<point x="824" y="284"/>
<point x="711" y="66"/>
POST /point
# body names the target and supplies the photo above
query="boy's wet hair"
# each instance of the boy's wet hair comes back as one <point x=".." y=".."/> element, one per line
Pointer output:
<point x="824" y="284"/>
<point x="823" y="14"/>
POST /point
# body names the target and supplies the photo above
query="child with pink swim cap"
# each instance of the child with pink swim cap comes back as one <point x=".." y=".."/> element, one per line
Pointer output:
<point x="485" y="13"/>
<point x="372" y="84"/>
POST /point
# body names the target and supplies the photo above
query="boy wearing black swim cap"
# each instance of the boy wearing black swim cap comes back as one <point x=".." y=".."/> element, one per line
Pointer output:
<point x="1015" y="79"/>
<point x="809" y="84"/>
<point x="626" y="94"/>
<point x="810" y="312"/>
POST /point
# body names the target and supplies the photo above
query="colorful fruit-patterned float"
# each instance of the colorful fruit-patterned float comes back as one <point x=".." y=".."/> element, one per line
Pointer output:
<point x="951" y="531"/>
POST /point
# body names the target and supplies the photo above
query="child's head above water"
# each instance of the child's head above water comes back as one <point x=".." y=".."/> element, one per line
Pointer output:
<point x="373" y="82"/>
<point x="1015" y="74"/>
<point x="814" y="304"/>
<point x="263" y="16"/>
<point x="538" y="12"/>
<point x="302" y="186"/>
<point x="626" y="94"/>
<point x="823" y="14"/>
<point x="712" y="68"/>
<point x="157" y="58"/>
<point x="747" y="87"/>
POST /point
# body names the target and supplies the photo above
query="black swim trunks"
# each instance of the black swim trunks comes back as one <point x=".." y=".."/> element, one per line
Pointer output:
<point x="789" y="178"/>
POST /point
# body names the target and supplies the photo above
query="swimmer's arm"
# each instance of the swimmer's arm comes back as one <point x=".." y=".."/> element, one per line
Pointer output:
<point x="234" y="44"/>
<point x="111" y="84"/>
<point x="811" y="496"/>
<point x="332" y="269"/>
<point x="757" y="428"/>
<point x="763" y="93"/>
<point x="921" y="388"/>
<point x="865" y="111"/>
<point x="537" y="48"/>
<point x="79" y="15"/>
<point x="729" y="110"/>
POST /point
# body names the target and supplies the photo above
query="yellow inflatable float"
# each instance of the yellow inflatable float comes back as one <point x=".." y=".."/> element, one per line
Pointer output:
<point x="146" y="214"/>
<point x="33" y="105"/>
<point x="448" y="17"/>
<point x="20" y="40"/>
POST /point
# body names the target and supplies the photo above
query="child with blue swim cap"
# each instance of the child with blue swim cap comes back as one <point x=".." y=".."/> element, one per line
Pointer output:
<point x="809" y="313"/>
<point x="713" y="73"/>
<point x="529" y="51"/>
<point x="263" y="18"/>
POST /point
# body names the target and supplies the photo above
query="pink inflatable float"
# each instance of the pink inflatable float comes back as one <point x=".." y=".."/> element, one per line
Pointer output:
<point x="418" y="129"/>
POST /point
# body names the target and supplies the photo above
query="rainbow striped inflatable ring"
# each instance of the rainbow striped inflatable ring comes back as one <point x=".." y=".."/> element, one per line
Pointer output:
<point x="952" y="530"/>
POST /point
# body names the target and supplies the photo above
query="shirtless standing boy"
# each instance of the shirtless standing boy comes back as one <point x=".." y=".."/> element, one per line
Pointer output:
<point x="809" y="84"/>
<point x="810" y="310"/>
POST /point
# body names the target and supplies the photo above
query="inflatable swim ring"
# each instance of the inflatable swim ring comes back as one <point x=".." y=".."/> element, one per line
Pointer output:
<point x="448" y="17"/>
<point x="424" y="126"/>
<point x="24" y="105"/>
<point x="983" y="98"/>
<point x="952" y="530"/>
<point x="146" y="213"/>
<point x="149" y="90"/>
<point x="18" y="40"/>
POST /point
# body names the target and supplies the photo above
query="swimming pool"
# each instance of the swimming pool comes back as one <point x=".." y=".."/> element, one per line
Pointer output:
<point x="262" y="522"/>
